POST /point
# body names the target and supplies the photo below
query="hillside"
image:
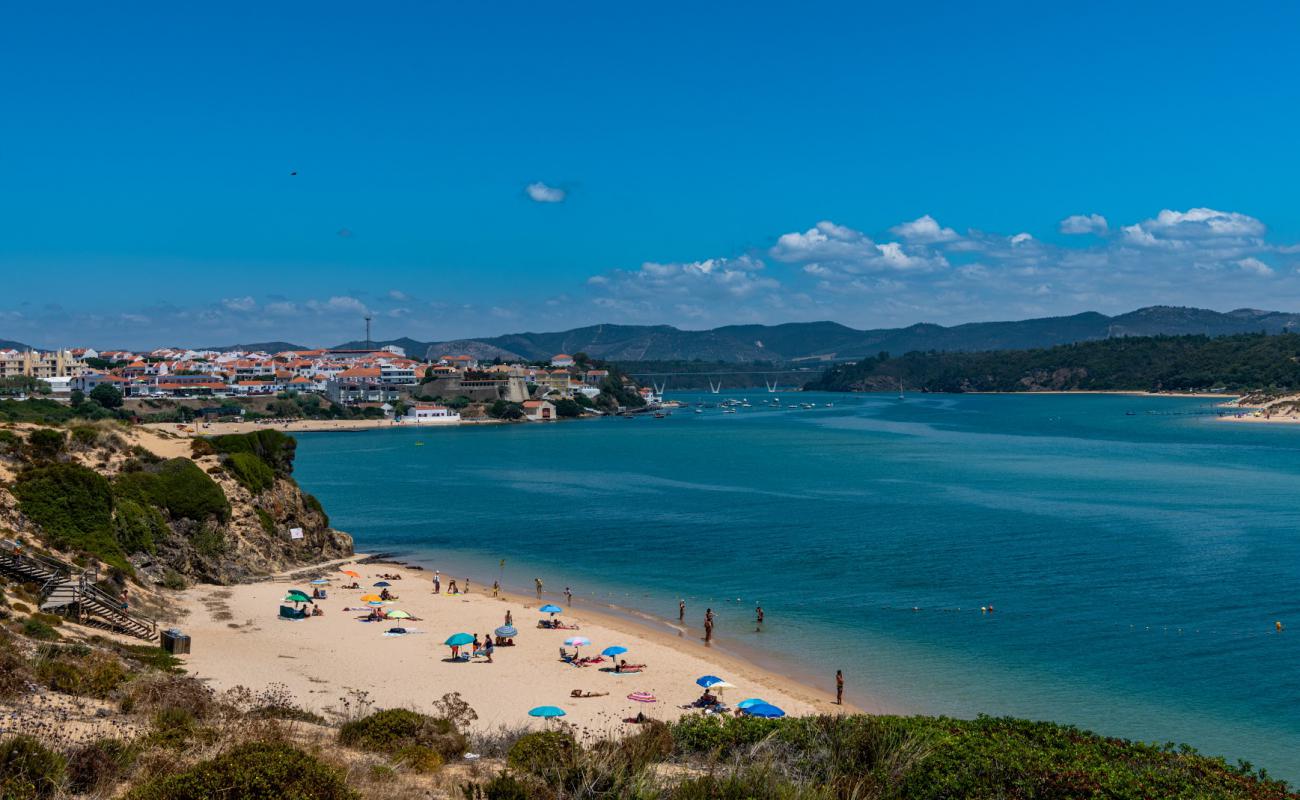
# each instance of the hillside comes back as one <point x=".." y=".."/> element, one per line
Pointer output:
<point x="831" y="341"/>
<point x="1242" y="362"/>
<point x="257" y="347"/>
<point x="9" y="344"/>
<point x="156" y="508"/>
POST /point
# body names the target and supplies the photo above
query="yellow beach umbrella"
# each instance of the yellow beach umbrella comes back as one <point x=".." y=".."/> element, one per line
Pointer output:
<point x="371" y="597"/>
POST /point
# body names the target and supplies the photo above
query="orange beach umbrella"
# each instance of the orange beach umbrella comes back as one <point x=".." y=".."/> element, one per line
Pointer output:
<point x="369" y="598"/>
<point x="350" y="572"/>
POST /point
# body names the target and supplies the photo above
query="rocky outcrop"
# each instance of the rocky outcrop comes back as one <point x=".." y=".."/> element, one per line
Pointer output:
<point x="258" y="539"/>
<point x="174" y="520"/>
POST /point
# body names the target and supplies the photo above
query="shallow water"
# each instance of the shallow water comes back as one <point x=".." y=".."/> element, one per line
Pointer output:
<point x="1136" y="562"/>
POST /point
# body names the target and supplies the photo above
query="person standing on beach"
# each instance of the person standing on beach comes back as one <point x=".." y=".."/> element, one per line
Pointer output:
<point x="758" y="615"/>
<point x="488" y="647"/>
<point x="538" y="582"/>
<point x="496" y="589"/>
<point x="467" y="586"/>
<point x="510" y="618"/>
<point x="839" y="687"/>
<point x="568" y="597"/>
<point x="437" y="582"/>
<point x="708" y="625"/>
<point x="681" y="610"/>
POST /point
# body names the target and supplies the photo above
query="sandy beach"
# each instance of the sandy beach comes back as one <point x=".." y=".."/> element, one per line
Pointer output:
<point x="238" y="640"/>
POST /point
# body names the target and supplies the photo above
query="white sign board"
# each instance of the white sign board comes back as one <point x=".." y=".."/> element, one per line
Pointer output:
<point x="295" y="533"/>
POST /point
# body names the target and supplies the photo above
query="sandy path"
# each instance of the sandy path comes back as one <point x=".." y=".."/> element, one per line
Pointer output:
<point x="237" y="640"/>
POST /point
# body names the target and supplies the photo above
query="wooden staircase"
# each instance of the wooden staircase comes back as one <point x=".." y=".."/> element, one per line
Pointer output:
<point x="72" y="593"/>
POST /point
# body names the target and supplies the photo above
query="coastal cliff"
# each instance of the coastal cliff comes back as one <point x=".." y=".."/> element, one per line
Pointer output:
<point x="164" y="511"/>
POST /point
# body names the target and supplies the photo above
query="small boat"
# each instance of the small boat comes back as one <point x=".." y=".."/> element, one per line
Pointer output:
<point x="660" y="415"/>
<point x="419" y="444"/>
<point x="699" y="411"/>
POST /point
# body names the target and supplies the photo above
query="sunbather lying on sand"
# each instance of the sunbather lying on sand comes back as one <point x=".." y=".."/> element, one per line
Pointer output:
<point x="580" y="693"/>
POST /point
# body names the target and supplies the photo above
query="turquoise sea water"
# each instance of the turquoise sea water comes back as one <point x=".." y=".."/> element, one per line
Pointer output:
<point x="1136" y="561"/>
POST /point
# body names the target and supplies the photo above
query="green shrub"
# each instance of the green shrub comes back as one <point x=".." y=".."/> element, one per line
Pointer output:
<point x="138" y="528"/>
<point x="29" y="770"/>
<point x="419" y="758"/>
<point x="46" y="444"/>
<point x="85" y="436"/>
<point x="209" y="542"/>
<point x="156" y="658"/>
<point x="73" y="506"/>
<point x="173" y="580"/>
<point x="96" y="766"/>
<point x="35" y="629"/>
<point x="542" y="753"/>
<point x="276" y="449"/>
<point x="14" y="671"/>
<point x="93" y="674"/>
<point x="177" y="485"/>
<point x="172" y="727"/>
<point x="11" y="444"/>
<point x="256" y="771"/>
<point x="268" y="524"/>
<point x="395" y="728"/>
<point x="503" y="786"/>
<point x="253" y="473"/>
<point x="311" y="502"/>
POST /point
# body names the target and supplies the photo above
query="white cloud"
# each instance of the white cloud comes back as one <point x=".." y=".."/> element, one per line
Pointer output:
<point x="1084" y="223"/>
<point x="338" y="305"/>
<point x="541" y="193"/>
<point x="1179" y="229"/>
<point x="398" y="295"/>
<point x="1020" y="238"/>
<point x="1255" y="266"/>
<point x="924" y="229"/>
<point x="836" y="249"/>
<point x="239" y="303"/>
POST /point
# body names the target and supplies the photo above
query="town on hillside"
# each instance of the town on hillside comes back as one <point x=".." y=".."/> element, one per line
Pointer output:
<point x="176" y="384"/>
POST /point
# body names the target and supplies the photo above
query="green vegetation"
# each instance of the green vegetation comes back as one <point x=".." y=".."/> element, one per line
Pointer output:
<point x="615" y="393"/>
<point x="89" y="674"/>
<point x="73" y="506"/>
<point x="311" y="501"/>
<point x="1152" y="363"/>
<point x="567" y="409"/>
<point x="397" y="728"/>
<point x="29" y="770"/>
<point x="23" y="384"/>
<point x="46" y="444"/>
<point x="95" y="766"/>
<point x="252" y="472"/>
<point x="107" y="395"/>
<point x="542" y="753"/>
<point x="254" y="771"/>
<point x="273" y="447"/>
<point x="138" y="528"/>
<point x="177" y="485"/>
<point x="500" y="409"/>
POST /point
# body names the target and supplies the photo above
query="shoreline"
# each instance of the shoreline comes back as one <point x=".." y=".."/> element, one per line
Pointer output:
<point x="238" y="640"/>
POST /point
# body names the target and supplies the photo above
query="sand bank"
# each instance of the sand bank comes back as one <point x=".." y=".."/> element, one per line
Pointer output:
<point x="238" y="640"/>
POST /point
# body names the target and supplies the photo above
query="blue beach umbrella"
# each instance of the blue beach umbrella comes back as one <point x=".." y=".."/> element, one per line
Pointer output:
<point x="613" y="650"/>
<point x="708" y="680"/>
<point x="507" y="631"/>
<point x="546" y="712"/>
<point x="765" y="710"/>
<point x="753" y="701"/>
<point x="552" y="609"/>
<point x="320" y="582"/>
<point x="458" y="639"/>
<point x="382" y="583"/>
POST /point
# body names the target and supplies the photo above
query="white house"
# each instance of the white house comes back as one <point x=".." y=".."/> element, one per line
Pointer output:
<point x="429" y="414"/>
<point x="539" y="410"/>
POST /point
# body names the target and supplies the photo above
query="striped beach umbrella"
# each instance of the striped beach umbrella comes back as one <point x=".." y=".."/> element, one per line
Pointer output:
<point x="577" y="641"/>
<point x="708" y="680"/>
<point x="642" y="697"/>
<point x="507" y="631"/>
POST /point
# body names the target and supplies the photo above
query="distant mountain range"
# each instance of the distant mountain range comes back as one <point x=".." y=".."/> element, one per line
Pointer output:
<point x="830" y="341"/>
<point x="815" y="342"/>
<point x="9" y="344"/>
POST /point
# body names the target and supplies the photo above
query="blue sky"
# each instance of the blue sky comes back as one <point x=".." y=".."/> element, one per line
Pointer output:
<point x="473" y="169"/>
